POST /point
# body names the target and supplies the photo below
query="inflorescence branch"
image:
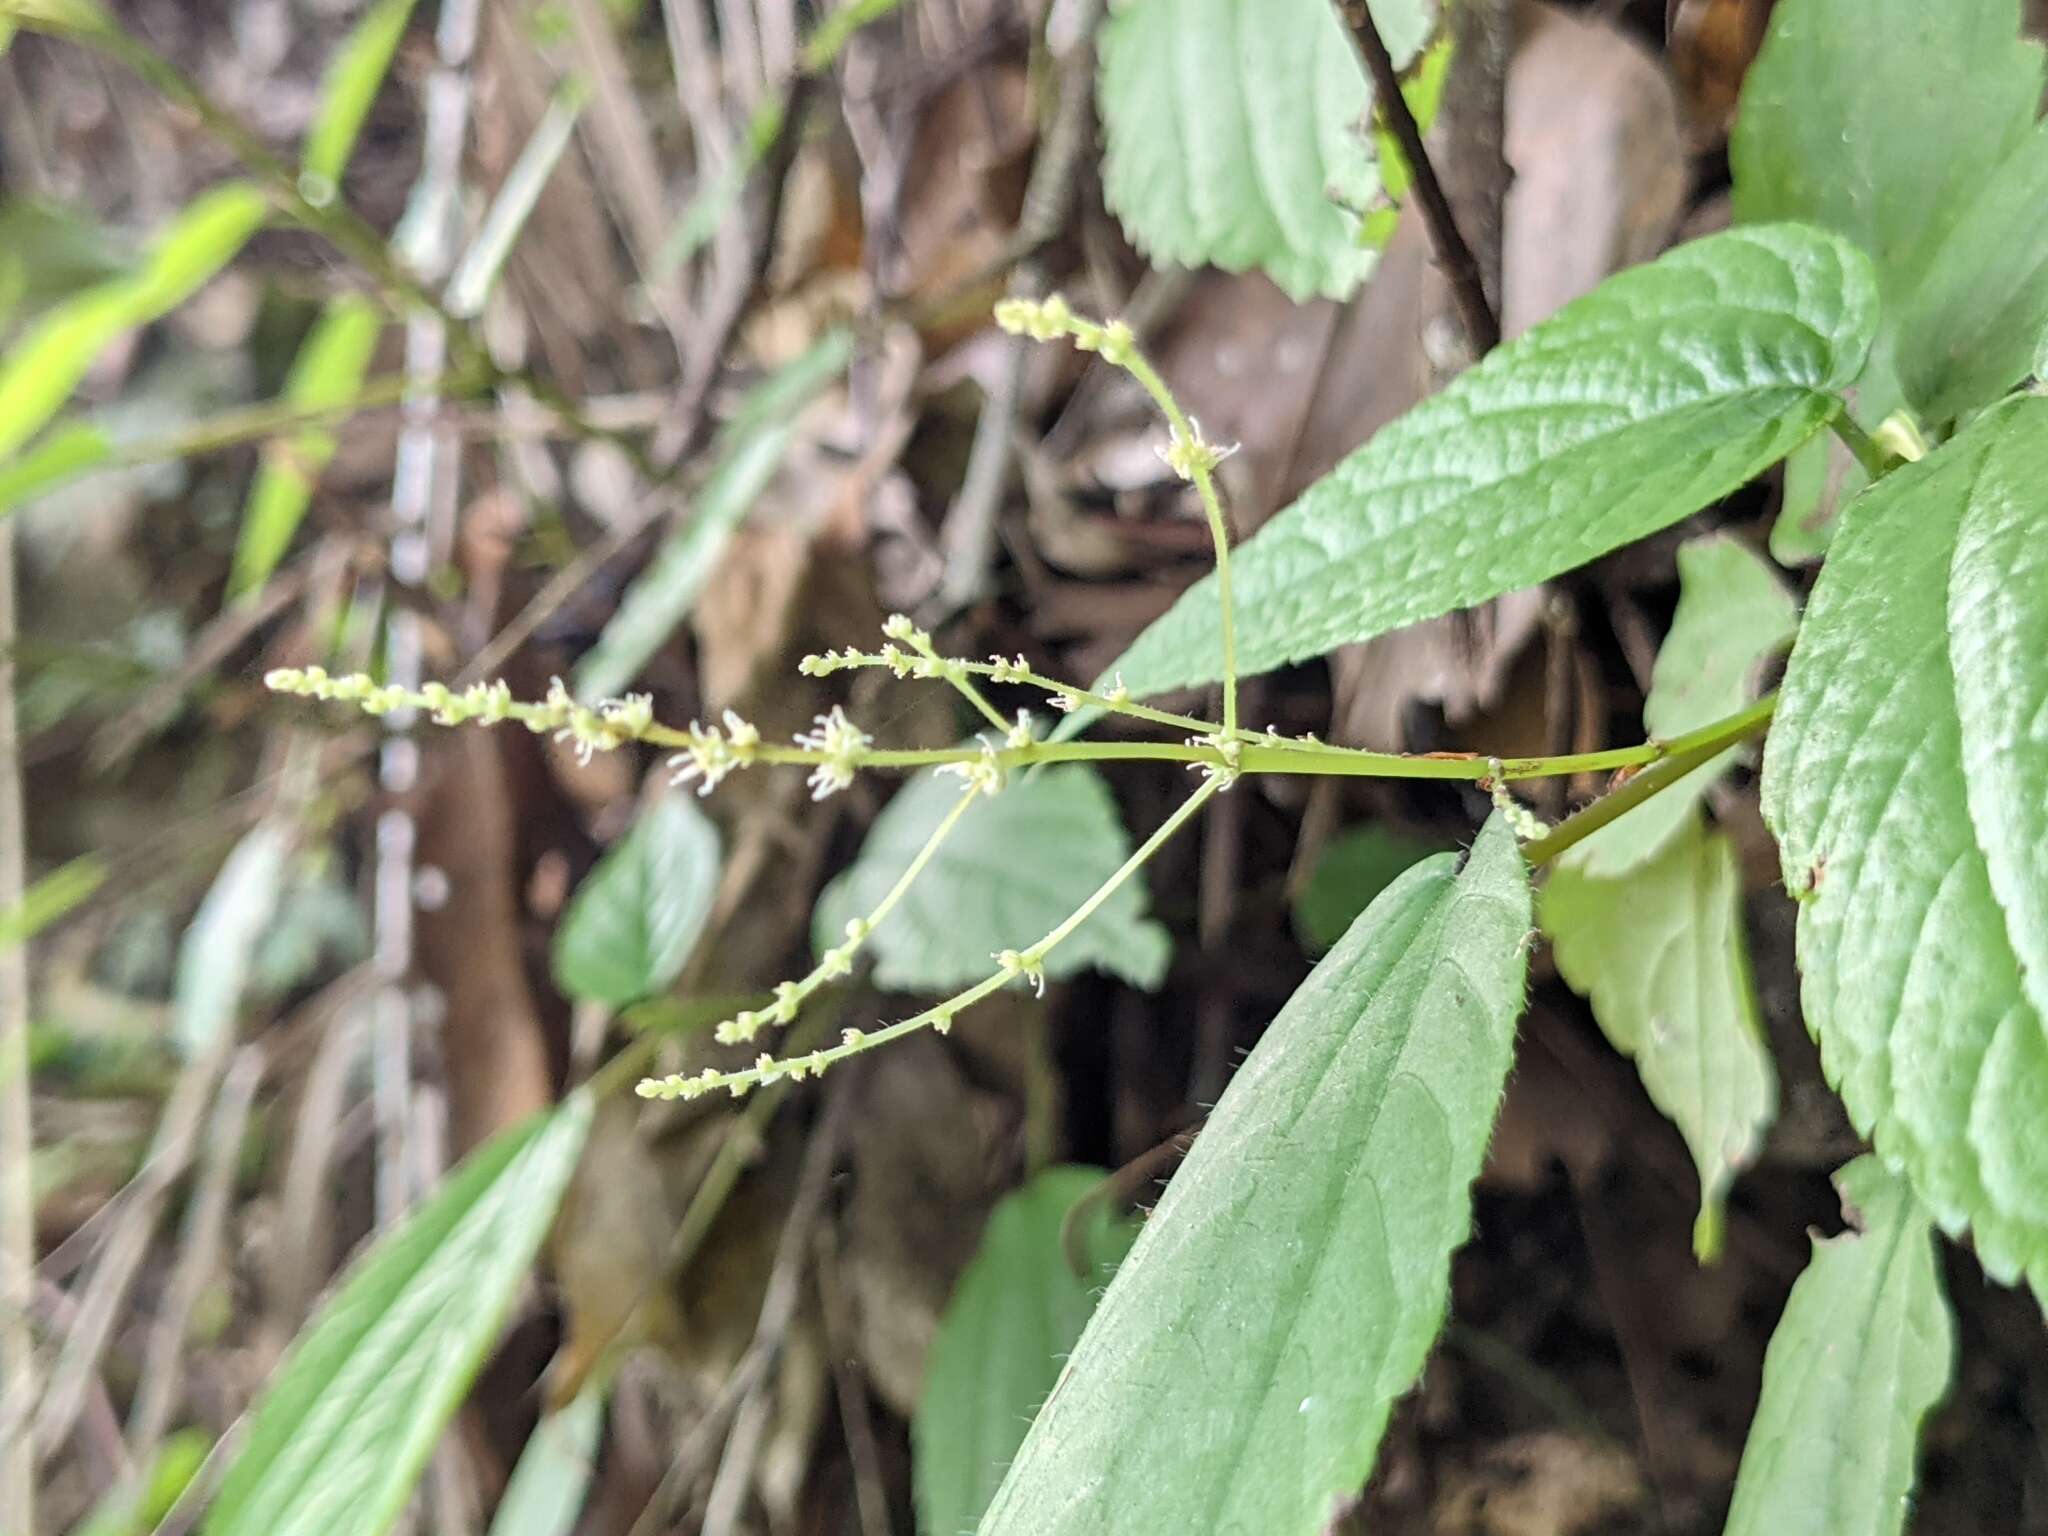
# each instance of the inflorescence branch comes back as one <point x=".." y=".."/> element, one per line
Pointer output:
<point x="837" y="749"/>
<point x="1187" y="453"/>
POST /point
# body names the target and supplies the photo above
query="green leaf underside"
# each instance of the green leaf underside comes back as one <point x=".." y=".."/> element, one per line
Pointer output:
<point x="1662" y="957"/>
<point x="1970" y="331"/>
<point x="1864" y="1349"/>
<point x="1660" y="392"/>
<point x="637" y="916"/>
<point x="328" y="371"/>
<point x="1881" y="120"/>
<point x="1906" y="780"/>
<point x="1733" y="614"/>
<point x="1013" y="869"/>
<point x="46" y="365"/>
<point x="1012" y="1321"/>
<point x="1235" y="134"/>
<point x="1288" y="1287"/>
<point x="340" y="1434"/>
<point x="750" y="450"/>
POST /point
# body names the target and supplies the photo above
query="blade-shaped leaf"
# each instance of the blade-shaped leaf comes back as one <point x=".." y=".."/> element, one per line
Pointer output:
<point x="1014" y="1317"/>
<point x="1235" y="134"/>
<point x="547" y="1488"/>
<point x="1661" y="391"/>
<point x="1733" y="615"/>
<point x="1012" y="870"/>
<point x="1879" y="119"/>
<point x="750" y="450"/>
<point x="352" y="83"/>
<point x="218" y="950"/>
<point x="478" y="271"/>
<point x="1906" y="780"/>
<point x="1865" y="1347"/>
<point x="45" y="367"/>
<point x="1661" y="955"/>
<point x="1969" y="331"/>
<point x="1239" y="1372"/>
<point x="340" y="1434"/>
<point x="635" y="918"/>
<point x="328" y="371"/>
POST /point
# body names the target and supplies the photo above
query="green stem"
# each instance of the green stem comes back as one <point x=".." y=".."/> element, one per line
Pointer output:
<point x="791" y="996"/>
<point x="1875" y="461"/>
<point x="1140" y="368"/>
<point x="1684" y="755"/>
<point x="939" y="1016"/>
<point x="1035" y="955"/>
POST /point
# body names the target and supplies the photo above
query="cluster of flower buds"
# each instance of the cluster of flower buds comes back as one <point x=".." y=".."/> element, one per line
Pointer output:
<point x="610" y="725"/>
<point x="712" y="754"/>
<point x="1051" y="318"/>
<point x="840" y="744"/>
<point x="1524" y="823"/>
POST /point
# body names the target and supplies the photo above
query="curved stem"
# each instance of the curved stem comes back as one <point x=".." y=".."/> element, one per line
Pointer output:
<point x="1140" y="368"/>
<point x="1685" y="754"/>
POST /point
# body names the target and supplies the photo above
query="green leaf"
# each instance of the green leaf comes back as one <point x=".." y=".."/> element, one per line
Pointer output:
<point x="139" y="1507"/>
<point x="43" y="369"/>
<point x="1660" y="954"/>
<point x="328" y="372"/>
<point x="1235" y="134"/>
<point x="1733" y="615"/>
<point x="1353" y="870"/>
<point x="218" y="950"/>
<point x="478" y="271"/>
<point x="338" y="1438"/>
<point x="1239" y="1372"/>
<point x="63" y="888"/>
<point x="635" y="918"/>
<point x="1013" y="869"/>
<point x="547" y="1488"/>
<point x="64" y="453"/>
<point x="350" y="88"/>
<point x="1865" y="1348"/>
<point x="1878" y="119"/>
<point x="749" y="451"/>
<point x="1969" y="331"/>
<point x="1658" y="393"/>
<point x="1906" y="779"/>
<point x="1013" y="1319"/>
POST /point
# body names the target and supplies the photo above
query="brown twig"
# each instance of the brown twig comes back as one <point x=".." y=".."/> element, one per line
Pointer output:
<point x="1468" y="286"/>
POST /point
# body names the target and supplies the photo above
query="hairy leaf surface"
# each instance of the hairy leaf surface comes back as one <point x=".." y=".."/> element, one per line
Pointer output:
<point x="1013" y="869"/>
<point x="1238" y="1375"/>
<point x="1906" y="779"/>
<point x="1656" y="394"/>
<point x="1865" y="1348"/>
